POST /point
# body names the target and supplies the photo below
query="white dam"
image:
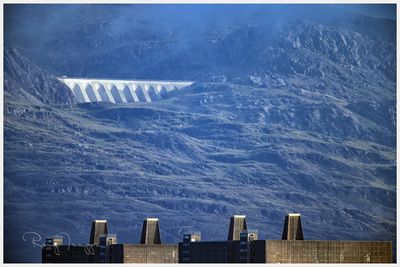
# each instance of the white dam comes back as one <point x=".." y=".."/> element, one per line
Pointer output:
<point x="120" y="91"/>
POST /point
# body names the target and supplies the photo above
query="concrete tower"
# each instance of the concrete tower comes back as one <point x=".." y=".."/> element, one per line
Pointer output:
<point x="292" y="229"/>
<point x="150" y="232"/>
<point x="99" y="227"/>
<point x="236" y="226"/>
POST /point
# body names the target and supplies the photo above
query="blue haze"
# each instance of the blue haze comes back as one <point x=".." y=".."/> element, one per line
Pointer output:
<point x="293" y="110"/>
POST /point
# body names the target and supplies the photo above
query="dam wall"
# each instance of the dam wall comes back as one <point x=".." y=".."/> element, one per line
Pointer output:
<point x="120" y="91"/>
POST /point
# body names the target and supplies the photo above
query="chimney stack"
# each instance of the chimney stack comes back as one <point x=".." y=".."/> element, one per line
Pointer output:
<point x="99" y="227"/>
<point x="292" y="229"/>
<point x="150" y="232"/>
<point x="236" y="226"/>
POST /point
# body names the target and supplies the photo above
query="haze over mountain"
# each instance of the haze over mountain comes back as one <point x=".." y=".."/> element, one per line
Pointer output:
<point x="293" y="110"/>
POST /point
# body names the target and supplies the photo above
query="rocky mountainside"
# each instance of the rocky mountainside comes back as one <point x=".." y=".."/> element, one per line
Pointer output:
<point x="295" y="116"/>
<point x="197" y="42"/>
<point x="24" y="81"/>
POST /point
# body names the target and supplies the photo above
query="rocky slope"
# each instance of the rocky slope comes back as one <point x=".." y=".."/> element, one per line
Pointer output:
<point x="24" y="81"/>
<point x="304" y="122"/>
<point x="197" y="42"/>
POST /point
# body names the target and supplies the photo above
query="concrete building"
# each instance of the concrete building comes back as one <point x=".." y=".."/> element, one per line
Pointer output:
<point x="328" y="251"/>
<point x="247" y="252"/>
<point x="209" y="252"/>
<point x="140" y="253"/>
<point x="291" y="249"/>
<point x="242" y="246"/>
<point x="72" y="254"/>
<point x="103" y="247"/>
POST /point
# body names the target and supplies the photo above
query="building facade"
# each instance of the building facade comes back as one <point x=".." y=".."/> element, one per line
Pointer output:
<point x="141" y="253"/>
<point x="242" y="246"/>
<point x="328" y="251"/>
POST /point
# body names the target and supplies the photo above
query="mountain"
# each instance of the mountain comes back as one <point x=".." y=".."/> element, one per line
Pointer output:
<point x="24" y="80"/>
<point x="285" y="116"/>
<point x="197" y="42"/>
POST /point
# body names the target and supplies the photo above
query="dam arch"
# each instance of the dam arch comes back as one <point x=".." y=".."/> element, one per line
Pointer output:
<point x="116" y="95"/>
<point x="76" y="90"/>
<point x="90" y="93"/>
<point x="105" y="96"/>
<point x="140" y="92"/>
<point x="153" y="93"/>
<point x="163" y="92"/>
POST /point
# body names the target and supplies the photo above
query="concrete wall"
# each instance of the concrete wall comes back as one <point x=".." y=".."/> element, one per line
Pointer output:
<point x="157" y="253"/>
<point x="261" y="251"/>
<point x="328" y="251"/>
<point x="209" y="252"/>
<point x="120" y="91"/>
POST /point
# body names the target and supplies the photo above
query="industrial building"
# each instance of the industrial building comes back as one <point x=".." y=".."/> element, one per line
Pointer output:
<point x="103" y="247"/>
<point x="241" y="246"/>
<point x="150" y="249"/>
